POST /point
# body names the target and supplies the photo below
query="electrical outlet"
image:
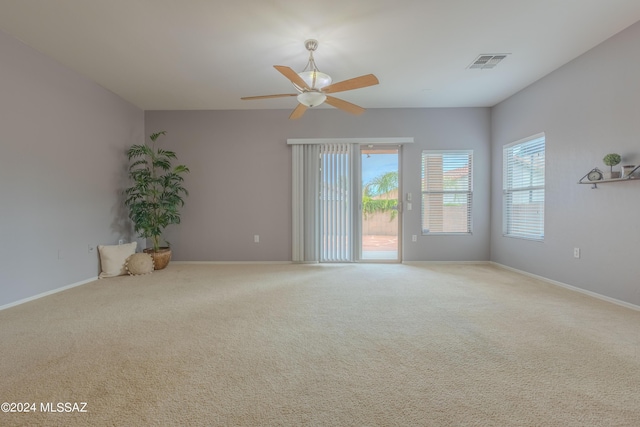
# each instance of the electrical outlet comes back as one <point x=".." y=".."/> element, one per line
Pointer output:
<point x="576" y="252"/>
<point x="256" y="238"/>
<point x="121" y="241"/>
<point x="414" y="238"/>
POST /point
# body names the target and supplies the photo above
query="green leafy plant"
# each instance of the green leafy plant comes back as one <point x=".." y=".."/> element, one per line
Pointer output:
<point x="611" y="160"/>
<point x="157" y="192"/>
<point x="376" y="193"/>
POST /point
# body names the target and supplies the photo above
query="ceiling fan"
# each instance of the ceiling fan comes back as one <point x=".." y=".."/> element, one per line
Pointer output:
<point x="313" y="86"/>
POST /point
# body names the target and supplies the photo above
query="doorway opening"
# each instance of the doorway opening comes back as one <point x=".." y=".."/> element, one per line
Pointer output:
<point x="380" y="213"/>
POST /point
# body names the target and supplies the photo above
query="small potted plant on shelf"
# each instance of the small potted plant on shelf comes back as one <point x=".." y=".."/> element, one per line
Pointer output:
<point x="156" y="195"/>
<point x="612" y="160"/>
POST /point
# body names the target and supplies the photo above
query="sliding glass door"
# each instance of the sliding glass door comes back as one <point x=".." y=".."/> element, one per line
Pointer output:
<point x="345" y="203"/>
<point x="380" y="218"/>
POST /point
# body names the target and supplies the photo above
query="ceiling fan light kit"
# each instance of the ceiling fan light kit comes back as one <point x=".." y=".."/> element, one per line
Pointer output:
<point x="314" y="79"/>
<point x="311" y="99"/>
<point x="313" y="85"/>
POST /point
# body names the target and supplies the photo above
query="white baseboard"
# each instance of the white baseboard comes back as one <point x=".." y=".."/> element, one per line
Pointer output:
<point x="44" y="294"/>
<point x="570" y="287"/>
<point x="446" y="262"/>
<point x="231" y="262"/>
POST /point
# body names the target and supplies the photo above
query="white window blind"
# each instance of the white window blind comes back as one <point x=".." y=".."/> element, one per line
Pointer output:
<point x="322" y="206"/>
<point x="523" y="188"/>
<point x="335" y="203"/>
<point x="447" y="191"/>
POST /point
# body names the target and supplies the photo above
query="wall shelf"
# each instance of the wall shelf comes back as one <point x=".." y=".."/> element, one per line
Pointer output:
<point x="594" y="184"/>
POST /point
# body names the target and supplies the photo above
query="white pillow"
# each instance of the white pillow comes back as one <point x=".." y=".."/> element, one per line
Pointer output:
<point x="113" y="258"/>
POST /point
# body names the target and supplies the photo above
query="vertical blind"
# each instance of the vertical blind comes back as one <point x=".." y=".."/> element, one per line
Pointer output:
<point x="447" y="191"/>
<point x="297" y="203"/>
<point x="335" y="203"/>
<point x="523" y="188"/>
<point x="322" y="206"/>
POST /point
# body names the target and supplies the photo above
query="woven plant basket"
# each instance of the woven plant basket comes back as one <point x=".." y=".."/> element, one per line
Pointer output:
<point x="161" y="258"/>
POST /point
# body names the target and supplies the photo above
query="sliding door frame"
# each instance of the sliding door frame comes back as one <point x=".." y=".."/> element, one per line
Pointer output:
<point x="298" y="196"/>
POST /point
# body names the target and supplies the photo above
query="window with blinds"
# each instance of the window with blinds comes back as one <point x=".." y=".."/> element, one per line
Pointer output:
<point x="447" y="191"/>
<point x="523" y="188"/>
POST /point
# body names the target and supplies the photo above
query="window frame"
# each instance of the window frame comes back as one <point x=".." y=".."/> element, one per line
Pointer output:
<point x="468" y="192"/>
<point x="508" y="190"/>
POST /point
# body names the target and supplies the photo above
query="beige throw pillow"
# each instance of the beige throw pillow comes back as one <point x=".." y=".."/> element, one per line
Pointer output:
<point x="140" y="263"/>
<point x="113" y="258"/>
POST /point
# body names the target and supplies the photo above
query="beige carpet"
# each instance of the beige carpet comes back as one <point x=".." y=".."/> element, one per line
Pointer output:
<point x="322" y="345"/>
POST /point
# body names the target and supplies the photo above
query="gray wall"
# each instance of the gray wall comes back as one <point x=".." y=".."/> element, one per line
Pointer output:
<point x="588" y="108"/>
<point x="240" y="181"/>
<point x="61" y="168"/>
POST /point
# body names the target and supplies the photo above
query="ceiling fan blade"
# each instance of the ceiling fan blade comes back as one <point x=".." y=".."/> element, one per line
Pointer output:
<point x="298" y="111"/>
<point x="292" y="75"/>
<point x="280" y="95"/>
<point x="354" y="83"/>
<point x="344" y="105"/>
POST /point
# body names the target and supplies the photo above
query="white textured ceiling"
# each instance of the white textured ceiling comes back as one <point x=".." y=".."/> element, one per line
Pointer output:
<point x="206" y="54"/>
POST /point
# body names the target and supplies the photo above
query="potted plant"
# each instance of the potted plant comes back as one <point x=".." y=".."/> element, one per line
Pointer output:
<point x="156" y="195"/>
<point x="611" y="160"/>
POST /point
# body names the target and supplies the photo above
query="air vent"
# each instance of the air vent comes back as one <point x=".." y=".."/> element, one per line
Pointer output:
<point x="487" y="61"/>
